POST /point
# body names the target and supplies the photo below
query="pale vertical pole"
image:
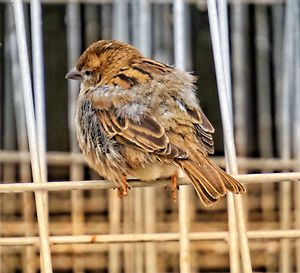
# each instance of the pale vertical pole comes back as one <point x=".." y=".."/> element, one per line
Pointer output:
<point x="120" y="25"/>
<point x="234" y="258"/>
<point x="8" y="169"/>
<point x="149" y="192"/>
<point x="39" y="84"/>
<point x="265" y="138"/>
<point x="228" y="131"/>
<point x="285" y="132"/>
<point x="73" y="20"/>
<point x="184" y="217"/>
<point x="277" y="30"/>
<point x="46" y="265"/>
<point x="240" y="69"/>
<point x="28" y="254"/>
<point x="120" y="32"/>
<point x="296" y="135"/>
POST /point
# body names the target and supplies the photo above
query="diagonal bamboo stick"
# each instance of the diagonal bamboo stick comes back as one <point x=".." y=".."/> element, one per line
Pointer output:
<point x="228" y="134"/>
<point x="46" y="264"/>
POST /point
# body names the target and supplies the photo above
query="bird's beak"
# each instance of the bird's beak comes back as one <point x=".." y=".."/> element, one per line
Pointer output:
<point x="73" y="74"/>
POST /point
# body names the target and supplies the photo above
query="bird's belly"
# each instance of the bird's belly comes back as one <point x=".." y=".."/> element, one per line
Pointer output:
<point x="154" y="171"/>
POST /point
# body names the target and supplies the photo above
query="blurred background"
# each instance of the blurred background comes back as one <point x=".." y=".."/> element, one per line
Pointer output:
<point x="265" y="57"/>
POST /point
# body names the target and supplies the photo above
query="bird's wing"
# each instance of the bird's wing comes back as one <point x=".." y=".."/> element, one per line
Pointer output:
<point x="204" y="131"/>
<point x="146" y="134"/>
<point x="202" y="125"/>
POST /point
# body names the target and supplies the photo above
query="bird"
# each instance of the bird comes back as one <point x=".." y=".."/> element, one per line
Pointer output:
<point x="139" y="117"/>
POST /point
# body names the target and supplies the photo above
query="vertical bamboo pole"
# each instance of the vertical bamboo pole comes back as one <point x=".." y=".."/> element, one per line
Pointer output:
<point x="264" y="99"/>
<point x="241" y="82"/>
<point x="106" y="21"/>
<point x="162" y="34"/>
<point x="228" y="130"/>
<point x="265" y="140"/>
<point x="277" y="30"/>
<point x="240" y="74"/>
<point x="184" y="219"/>
<point x="233" y="233"/>
<point x="296" y="135"/>
<point x="39" y="99"/>
<point x="8" y="174"/>
<point x="28" y="254"/>
<point x="38" y="84"/>
<point x="91" y="23"/>
<point x="114" y="228"/>
<point x="138" y="193"/>
<point x="76" y="169"/>
<point x="120" y="32"/>
<point x="128" y="221"/>
<point x="120" y="26"/>
<point x="285" y="133"/>
<point x="149" y="193"/>
<point x="46" y="264"/>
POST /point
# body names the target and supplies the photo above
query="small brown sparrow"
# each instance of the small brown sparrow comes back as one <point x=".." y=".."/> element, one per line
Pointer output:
<point x="139" y="117"/>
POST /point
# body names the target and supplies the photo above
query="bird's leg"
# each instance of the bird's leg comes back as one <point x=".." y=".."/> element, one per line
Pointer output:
<point x="122" y="191"/>
<point x="174" y="186"/>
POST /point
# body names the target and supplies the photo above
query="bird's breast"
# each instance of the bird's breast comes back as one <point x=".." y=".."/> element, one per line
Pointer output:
<point x="91" y="136"/>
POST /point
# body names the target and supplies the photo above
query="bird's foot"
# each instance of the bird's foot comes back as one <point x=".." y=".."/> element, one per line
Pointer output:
<point x="123" y="190"/>
<point x="174" y="187"/>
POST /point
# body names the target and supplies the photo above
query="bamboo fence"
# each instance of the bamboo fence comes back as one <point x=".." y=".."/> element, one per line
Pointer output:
<point x="69" y="220"/>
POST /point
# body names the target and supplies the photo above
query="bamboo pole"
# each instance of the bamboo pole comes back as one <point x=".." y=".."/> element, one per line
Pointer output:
<point x="148" y="237"/>
<point x="28" y="255"/>
<point x="148" y="193"/>
<point x="120" y="32"/>
<point x="224" y="36"/>
<point x="284" y="132"/>
<point x="228" y="133"/>
<point x="104" y="184"/>
<point x="8" y="170"/>
<point x="240" y="71"/>
<point x="39" y="103"/>
<point x="180" y="62"/>
<point x="38" y="86"/>
<point x="262" y="42"/>
<point x="76" y="169"/>
<point x="138" y="210"/>
<point x="106" y="21"/>
<point x="296" y="129"/>
<point x="46" y="264"/>
<point x="65" y="159"/>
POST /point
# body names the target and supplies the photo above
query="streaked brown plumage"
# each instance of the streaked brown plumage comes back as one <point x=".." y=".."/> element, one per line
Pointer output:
<point x="139" y="117"/>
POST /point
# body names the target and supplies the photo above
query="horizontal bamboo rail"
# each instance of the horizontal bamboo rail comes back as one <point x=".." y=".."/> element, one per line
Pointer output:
<point x="147" y="237"/>
<point x="65" y="159"/>
<point x="104" y="184"/>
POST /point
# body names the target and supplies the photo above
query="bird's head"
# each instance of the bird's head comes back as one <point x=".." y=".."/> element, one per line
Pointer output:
<point x="101" y="61"/>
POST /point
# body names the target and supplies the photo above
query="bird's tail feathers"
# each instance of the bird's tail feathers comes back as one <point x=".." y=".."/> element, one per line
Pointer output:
<point x="210" y="181"/>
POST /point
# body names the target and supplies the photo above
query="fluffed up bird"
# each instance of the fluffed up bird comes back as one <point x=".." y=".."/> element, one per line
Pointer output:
<point x="139" y="117"/>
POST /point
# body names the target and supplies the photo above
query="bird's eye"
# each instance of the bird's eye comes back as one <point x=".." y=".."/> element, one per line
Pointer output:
<point x="88" y="72"/>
